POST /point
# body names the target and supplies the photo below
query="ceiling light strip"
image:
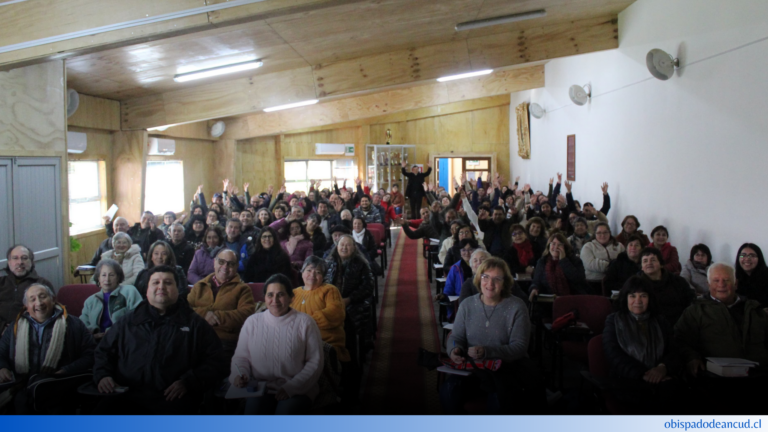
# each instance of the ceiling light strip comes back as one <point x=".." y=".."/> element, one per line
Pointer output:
<point x="465" y="75"/>
<point x="487" y="22"/>
<point x="291" y="105"/>
<point x="219" y="70"/>
<point x="8" y="2"/>
<point x="127" y="24"/>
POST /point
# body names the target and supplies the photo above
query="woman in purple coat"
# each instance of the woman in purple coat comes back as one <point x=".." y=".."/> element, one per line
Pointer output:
<point x="202" y="263"/>
<point x="298" y="246"/>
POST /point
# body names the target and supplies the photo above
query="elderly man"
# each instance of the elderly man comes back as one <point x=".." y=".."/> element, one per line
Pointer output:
<point x="143" y="233"/>
<point x="44" y="340"/>
<point x="724" y="324"/>
<point x="120" y="224"/>
<point x="182" y="249"/>
<point x="20" y="274"/>
<point x="223" y="300"/>
<point x="163" y="352"/>
<point x="367" y="211"/>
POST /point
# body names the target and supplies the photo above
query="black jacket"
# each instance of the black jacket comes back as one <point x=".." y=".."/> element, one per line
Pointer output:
<point x="754" y="286"/>
<point x="625" y="367"/>
<point x="415" y="189"/>
<point x="621" y="269"/>
<point x="425" y="230"/>
<point x="105" y="246"/>
<point x="262" y="265"/>
<point x="491" y="230"/>
<point x="318" y="242"/>
<point x="184" y="253"/>
<point x="356" y="280"/>
<point x="573" y="269"/>
<point x="144" y="237"/>
<point x="369" y="244"/>
<point x="148" y="352"/>
<point x="673" y="295"/>
<point x="77" y="356"/>
<point x="142" y="281"/>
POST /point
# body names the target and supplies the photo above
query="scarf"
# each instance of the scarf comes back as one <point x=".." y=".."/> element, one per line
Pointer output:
<point x="292" y="242"/>
<point x="556" y="278"/>
<point x="359" y="237"/>
<point x="524" y="252"/>
<point x="640" y="336"/>
<point x="55" y="348"/>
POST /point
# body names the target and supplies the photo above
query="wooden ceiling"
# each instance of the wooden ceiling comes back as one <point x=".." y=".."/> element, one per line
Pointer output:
<point x="321" y="38"/>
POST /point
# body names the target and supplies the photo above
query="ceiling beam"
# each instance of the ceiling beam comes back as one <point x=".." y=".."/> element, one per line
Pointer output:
<point x="27" y="22"/>
<point x="416" y="66"/>
<point x="395" y="104"/>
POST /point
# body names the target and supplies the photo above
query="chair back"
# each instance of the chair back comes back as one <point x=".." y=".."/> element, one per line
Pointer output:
<point x="377" y="231"/>
<point x="598" y="366"/>
<point x="73" y="297"/>
<point x="593" y="309"/>
<point x="258" y="291"/>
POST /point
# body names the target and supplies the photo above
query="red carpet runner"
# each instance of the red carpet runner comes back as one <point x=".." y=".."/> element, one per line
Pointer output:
<point x="396" y="384"/>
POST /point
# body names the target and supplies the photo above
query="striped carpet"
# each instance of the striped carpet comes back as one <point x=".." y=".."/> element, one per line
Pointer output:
<point x="395" y="383"/>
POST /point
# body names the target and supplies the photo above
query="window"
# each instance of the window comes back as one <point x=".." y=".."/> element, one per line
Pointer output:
<point x="164" y="190"/>
<point x="299" y="173"/>
<point x="87" y="200"/>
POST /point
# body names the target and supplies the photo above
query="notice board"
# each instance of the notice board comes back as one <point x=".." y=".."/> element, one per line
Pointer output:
<point x="571" y="172"/>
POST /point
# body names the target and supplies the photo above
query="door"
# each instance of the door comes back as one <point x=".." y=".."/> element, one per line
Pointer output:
<point x="475" y="167"/>
<point x="6" y="208"/>
<point x="37" y="213"/>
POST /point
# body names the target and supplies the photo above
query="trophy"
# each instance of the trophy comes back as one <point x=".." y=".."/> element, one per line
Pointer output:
<point x="389" y="137"/>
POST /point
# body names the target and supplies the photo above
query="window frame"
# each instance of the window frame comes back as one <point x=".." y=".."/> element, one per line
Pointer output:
<point x="101" y="197"/>
<point x="306" y="180"/>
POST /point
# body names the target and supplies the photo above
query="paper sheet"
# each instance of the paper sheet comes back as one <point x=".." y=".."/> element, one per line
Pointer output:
<point x="111" y="212"/>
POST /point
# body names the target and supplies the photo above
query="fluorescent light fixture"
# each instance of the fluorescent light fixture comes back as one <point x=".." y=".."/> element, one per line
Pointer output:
<point x="487" y="22"/>
<point x="291" y="105"/>
<point x="160" y="128"/>
<point x="465" y="75"/>
<point x="221" y="70"/>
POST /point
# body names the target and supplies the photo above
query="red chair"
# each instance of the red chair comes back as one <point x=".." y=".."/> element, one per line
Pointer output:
<point x="573" y="342"/>
<point x="73" y="297"/>
<point x="258" y="291"/>
<point x="378" y="231"/>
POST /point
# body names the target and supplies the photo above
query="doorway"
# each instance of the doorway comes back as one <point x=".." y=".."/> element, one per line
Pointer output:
<point x="449" y="168"/>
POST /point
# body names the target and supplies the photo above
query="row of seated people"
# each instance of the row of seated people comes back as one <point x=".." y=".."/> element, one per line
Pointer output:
<point x="170" y="349"/>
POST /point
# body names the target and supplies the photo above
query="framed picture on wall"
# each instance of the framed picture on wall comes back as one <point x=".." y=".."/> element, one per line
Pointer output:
<point x="571" y="172"/>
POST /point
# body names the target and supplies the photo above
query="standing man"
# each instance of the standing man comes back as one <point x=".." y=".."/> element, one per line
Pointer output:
<point x="415" y="189"/>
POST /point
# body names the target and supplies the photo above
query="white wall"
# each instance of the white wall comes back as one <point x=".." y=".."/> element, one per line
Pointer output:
<point x="690" y="153"/>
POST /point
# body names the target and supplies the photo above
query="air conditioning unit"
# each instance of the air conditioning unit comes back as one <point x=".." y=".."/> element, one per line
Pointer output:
<point x="76" y="142"/>
<point x="161" y="147"/>
<point x="335" y="149"/>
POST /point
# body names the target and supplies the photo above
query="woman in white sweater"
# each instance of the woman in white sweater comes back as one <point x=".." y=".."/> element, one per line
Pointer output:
<point x="600" y="252"/>
<point x="127" y="254"/>
<point x="282" y="347"/>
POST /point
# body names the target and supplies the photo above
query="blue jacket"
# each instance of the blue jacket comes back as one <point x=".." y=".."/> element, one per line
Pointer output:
<point x="453" y="282"/>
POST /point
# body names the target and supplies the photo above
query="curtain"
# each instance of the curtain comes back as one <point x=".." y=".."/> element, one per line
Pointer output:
<point x="523" y="131"/>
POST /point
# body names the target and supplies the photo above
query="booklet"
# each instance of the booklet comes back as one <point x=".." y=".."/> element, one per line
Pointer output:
<point x="253" y="389"/>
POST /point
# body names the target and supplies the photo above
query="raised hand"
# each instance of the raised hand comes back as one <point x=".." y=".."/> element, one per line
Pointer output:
<point x="568" y="186"/>
<point x="358" y="181"/>
<point x="551" y="180"/>
<point x="403" y="164"/>
<point x="246" y="186"/>
<point x="282" y="189"/>
<point x="426" y="187"/>
<point x="270" y="189"/>
<point x="199" y="190"/>
<point x="429" y="164"/>
<point x="604" y="188"/>
<point x="226" y="183"/>
<point x="527" y="188"/>
<point x="517" y="179"/>
<point x="431" y="187"/>
<point x="338" y="205"/>
<point x="559" y="178"/>
<point x="501" y="202"/>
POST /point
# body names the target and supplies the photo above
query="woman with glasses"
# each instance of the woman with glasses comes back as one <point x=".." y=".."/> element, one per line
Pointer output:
<point x="752" y="273"/>
<point x="558" y="271"/>
<point x="459" y="272"/>
<point x="265" y="257"/>
<point x="598" y="254"/>
<point x="453" y="253"/>
<point x="493" y="328"/>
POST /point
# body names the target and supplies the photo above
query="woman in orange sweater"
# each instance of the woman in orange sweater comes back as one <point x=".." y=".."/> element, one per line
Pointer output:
<point x="323" y="303"/>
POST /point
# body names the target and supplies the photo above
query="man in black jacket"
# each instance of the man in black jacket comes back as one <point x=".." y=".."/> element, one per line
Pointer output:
<point x="497" y="238"/>
<point x="165" y="353"/>
<point x="143" y="233"/>
<point x="19" y="275"/>
<point x="415" y="189"/>
<point x="182" y="249"/>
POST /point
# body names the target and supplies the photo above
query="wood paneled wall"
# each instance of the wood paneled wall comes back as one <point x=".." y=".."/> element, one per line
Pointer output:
<point x="89" y="244"/>
<point x="258" y="164"/>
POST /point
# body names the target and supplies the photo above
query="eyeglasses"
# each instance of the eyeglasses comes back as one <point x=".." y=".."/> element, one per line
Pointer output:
<point x="495" y="280"/>
<point x="750" y="256"/>
<point x="267" y="237"/>
<point x="517" y="233"/>
<point x="230" y="264"/>
<point x="468" y="251"/>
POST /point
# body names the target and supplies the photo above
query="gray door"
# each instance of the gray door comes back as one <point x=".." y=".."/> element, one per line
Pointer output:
<point x="37" y="213"/>
<point x="6" y="209"/>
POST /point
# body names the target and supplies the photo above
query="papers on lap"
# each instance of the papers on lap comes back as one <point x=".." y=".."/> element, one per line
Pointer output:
<point x="256" y="390"/>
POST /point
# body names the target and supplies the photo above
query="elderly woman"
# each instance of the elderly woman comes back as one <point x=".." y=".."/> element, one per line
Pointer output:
<point x="323" y="303"/>
<point x="44" y="339"/>
<point x="493" y="325"/>
<point x="112" y="302"/>
<point x="641" y="351"/>
<point x="522" y="255"/>
<point x="752" y="273"/>
<point x="469" y="289"/>
<point x="598" y="254"/>
<point x="363" y="237"/>
<point x="660" y="235"/>
<point x="265" y="258"/>
<point x="293" y="363"/>
<point x="223" y="300"/>
<point x="160" y="253"/>
<point x="128" y="255"/>
<point x="695" y="269"/>
<point x="316" y="235"/>
<point x="629" y="227"/>
<point x="558" y="271"/>
<point x="202" y="262"/>
<point x="195" y="230"/>
<point x="298" y="245"/>
<point x="671" y="291"/>
<point x="626" y="265"/>
<point x="580" y="235"/>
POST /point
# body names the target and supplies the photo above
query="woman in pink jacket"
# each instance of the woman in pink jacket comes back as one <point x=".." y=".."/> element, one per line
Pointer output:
<point x="298" y="246"/>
